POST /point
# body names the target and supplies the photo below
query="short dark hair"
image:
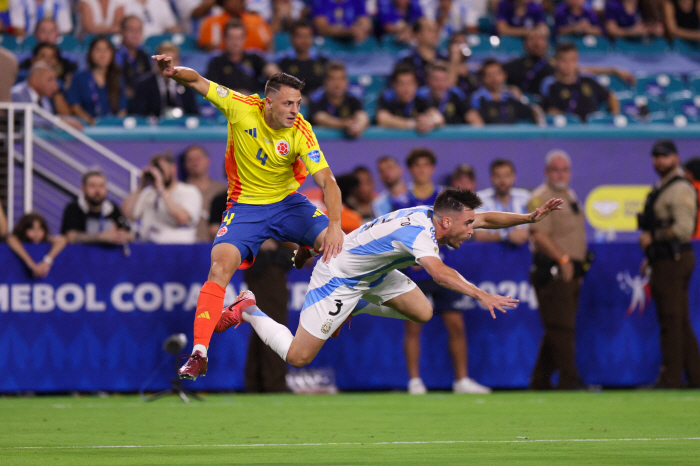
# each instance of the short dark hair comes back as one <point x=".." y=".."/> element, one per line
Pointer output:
<point x="335" y="65"/>
<point x="278" y="80"/>
<point x="234" y="23"/>
<point x="438" y="65"/>
<point x="26" y="222"/>
<point x="498" y="163"/>
<point x="463" y="170"/>
<point x="164" y="156"/>
<point x="387" y="158"/>
<point x="488" y="62"/>
<point x="693" y="166"/>
<point x="420" y="153"/>
<point x="302" y="23"/>
<point x="456" y="200"/>
<point x="361" y="169"/>
<point x="46" y="45"/>
<point x="418" y="25"/>
<point x="403" y="68"/>
<point x="564" y="47"/>
<point x="128" y="18"/>
<point x="347" y="183"/>
<point x="90" y="173"/>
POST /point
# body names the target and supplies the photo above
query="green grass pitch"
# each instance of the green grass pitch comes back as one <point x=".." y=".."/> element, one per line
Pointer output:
<point x="607" y="428"/>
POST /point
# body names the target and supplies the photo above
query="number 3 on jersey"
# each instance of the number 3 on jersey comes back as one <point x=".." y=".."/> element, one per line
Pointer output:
<point x="262" y="157"/>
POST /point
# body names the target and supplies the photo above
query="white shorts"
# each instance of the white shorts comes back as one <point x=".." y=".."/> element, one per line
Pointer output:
<point x="330" y="300"/>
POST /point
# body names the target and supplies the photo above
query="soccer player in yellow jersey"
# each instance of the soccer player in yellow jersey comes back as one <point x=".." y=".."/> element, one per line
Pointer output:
<point x="270" y="151"/>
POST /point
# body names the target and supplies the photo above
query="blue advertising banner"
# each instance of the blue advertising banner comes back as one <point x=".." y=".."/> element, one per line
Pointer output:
<point x="98" y="321"/>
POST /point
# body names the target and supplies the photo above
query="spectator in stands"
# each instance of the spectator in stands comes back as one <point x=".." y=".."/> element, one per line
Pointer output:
<point x="350" y="219"/>
<point x="450" y="101"/>
<point x="361" y="197"/>
<point x="49" y="54"/>
<point x="303" y="61"/>
<point x="237" y="69"/>
<point x="341" y="19"/>
<point x="98" y="91"/>
<point x="426" y="49"/>
<point x="25" y="14"/>
<point x="503" y="197"/>
<point x="391" y="176"/>
<point x="93" y="218"/>
<point x="682" y="19"/>
<point x="458" y="59"/>
<point x="156" y="96"/>
<point x="167" y="210"/>
<point x="397" y="17"/>
<point x="333" y="106"/>
<point x="623" y="19"/>
<point x="692" y="174"/>
<point x="399" y="107"/>
<point x="196" y="163"/>
<point x="46" y="36"/>
<point x="41" y="87"/>
<point x="130" y="57"/>
<point x="5" y="27"/>
<point x="453" y="16"/>
<point x="517" y="17"/>
<point x="463" y="177"/>
<point x="568" y="92"/>
<point x="495" y="103"/>
<point x="213" y="29"/>
<point x="528" y="71"/>
<point x="32" y="228"/>
<point x="157" y="16"/>
<point x="575" y="17"/>
<point x="3" y="223"/>
<point x="100" y="16"/>
<point x="279" y="14"/>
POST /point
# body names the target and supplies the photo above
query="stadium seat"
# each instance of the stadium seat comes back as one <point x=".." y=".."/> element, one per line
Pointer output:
<point x="559" y="121"/>
<point x="281" y="41"/>
<point x="659" y="85"/>
<point x="332" y="46"/>
<point x="588" y="45"/>
<point x="686" y="47"/>
<point x="487" y="24"/>
<point x="642" y="47"/>
<point x="368" y="86"/>
<point x="189" y="122"/>
<point x="67" y="43"/>
<point x="486" y="44"/>
<point x="664" y="118"/>
<point x="694" y="82"/>
<point x="11" y="43"/>
<point x="390" y="45"/>
<point x="604" y="118"/>
<point x="685" y="103"/>
<point x="612" y="82"/>
<point x="641" y="106"/>
<point x="183" y="41"/>
<point x="127" y="122"/>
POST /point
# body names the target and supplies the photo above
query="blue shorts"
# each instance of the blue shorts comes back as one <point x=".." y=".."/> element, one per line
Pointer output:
<point x="443" y="299"/>
<point x="247" y="226"/>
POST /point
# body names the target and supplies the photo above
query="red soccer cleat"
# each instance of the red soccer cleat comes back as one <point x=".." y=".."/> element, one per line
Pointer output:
<point x="232" y="315"/>
<point x="195" y="366"/>
<point x="337" y="331"/>
<point x="301" y="255"/>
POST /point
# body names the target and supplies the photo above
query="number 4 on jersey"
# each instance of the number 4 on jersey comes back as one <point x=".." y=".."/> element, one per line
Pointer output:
<point x="262" y="157"/>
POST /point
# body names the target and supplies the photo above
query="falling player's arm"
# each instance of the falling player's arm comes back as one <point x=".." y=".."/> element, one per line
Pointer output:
<point x="451" y="279"/>
<point x="333" y="240"/>
<point x="496" y="220"/>
<point x="185" y="76"/>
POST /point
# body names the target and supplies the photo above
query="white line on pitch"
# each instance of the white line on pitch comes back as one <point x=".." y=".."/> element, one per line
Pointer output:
<point x="233" y="445"/>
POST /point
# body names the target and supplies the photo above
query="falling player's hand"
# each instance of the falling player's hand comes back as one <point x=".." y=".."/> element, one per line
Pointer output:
<point x="541" y="212"/>
<point x="165" y="65"/>
<point x="494" y="301"/>
<point x="332" y="242"/>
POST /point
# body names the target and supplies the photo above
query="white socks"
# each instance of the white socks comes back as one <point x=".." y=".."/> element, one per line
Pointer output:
<point x="200" y="348"/>
<point x="276" y="336"/>
<point x="365" y="307"/>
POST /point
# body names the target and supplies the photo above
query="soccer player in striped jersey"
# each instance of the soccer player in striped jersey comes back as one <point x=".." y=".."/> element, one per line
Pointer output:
<point x="270" y="151"/>
<point x="363" y="278"/>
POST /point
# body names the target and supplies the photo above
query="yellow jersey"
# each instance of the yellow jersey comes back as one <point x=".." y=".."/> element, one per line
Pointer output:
<point x="263" y="165"/>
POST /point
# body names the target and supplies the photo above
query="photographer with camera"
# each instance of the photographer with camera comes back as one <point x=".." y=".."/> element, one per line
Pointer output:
<point x="559" y="263"/>
<point x="167" y="210"/>
<point x="667" y="223"/>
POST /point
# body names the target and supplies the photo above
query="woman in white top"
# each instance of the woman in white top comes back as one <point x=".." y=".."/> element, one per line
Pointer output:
<point x="157" y="16"/>
<point x="101" y="16"/>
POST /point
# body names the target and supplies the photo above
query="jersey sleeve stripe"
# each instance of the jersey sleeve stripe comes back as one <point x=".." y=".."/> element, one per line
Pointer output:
<point x="309" y="131"/>
<point x="309" y="139"/>
<point x="235" y="188"/>
<point x="299" y="170"/>
<point x="248" y="100"/>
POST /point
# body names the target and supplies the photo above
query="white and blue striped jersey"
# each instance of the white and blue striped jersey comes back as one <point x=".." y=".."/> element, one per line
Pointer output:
<point x="518" y="204"/>
<point x="392" y="241"/>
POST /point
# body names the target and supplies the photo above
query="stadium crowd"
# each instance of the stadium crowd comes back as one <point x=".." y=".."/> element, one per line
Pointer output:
<point x="433" y="82"/>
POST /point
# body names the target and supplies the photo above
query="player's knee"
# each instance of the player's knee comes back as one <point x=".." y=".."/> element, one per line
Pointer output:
<point x="423" y="315"/>
<point x="297" y="360"/>
<point x="220" y="272"/>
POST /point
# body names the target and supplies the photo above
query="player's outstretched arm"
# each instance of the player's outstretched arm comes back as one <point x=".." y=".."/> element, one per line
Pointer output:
<point x="495" y="220"/>
<point x="185" y="76"/>
<point x="450" y="278"/>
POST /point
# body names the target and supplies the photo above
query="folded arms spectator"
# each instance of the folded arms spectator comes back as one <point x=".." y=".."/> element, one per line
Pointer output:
<point x="157" y="16"/>
<point x="517" y="17"/>
<point x="213" y="29"/>
<point x="682" y="19"/>
<point x="623" y="19"/>
<point x="397" y="17"/>
<point x="574" y="17"/>
<point x="130" y="57"/>
<point x="100" y="16"/>
<point x="341" y="19"/>
<point x="24" y="15"/>
<point x="449" y="100"/>
<point x="303" y="61"/>
<point x="495" y="103"/>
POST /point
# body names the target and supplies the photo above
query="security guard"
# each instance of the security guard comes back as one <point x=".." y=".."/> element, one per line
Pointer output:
<point x="559" y="253"/>
<point x="667" y="223"/>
